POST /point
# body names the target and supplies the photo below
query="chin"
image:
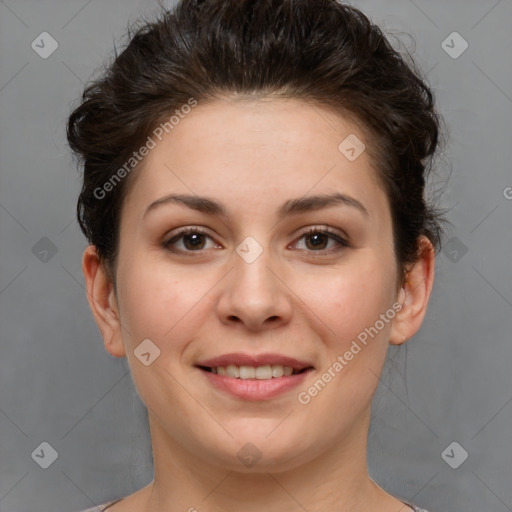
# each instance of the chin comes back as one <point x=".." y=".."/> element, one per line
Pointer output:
<point x="255" y="454"/>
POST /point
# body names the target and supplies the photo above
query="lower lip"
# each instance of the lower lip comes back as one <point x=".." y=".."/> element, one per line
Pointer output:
<point x="255" y="389"/>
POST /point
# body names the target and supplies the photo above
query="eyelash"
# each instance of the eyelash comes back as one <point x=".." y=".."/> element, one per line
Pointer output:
<point x="342" y="242"/>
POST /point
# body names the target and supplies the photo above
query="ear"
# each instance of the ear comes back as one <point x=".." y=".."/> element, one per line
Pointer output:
<point x="414" y="295"/>
<point x="102" y="300"/>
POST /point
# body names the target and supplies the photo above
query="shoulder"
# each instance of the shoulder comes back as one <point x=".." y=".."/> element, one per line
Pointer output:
<point x="101" y="508"/>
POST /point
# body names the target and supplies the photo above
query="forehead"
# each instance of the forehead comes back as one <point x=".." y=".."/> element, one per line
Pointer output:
<point x="257" y="150"/>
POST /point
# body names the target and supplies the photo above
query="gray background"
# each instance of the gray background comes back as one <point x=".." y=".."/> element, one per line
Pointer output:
<point x="58" y="384"/>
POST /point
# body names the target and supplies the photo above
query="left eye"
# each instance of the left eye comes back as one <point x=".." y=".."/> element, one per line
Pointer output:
<point x="319" y="237"/>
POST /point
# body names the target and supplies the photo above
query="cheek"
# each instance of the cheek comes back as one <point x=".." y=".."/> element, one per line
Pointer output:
<point x="154" y="304"/>
<point x="356" y="342"/>
<point x="158" y="306"/>
<point x="349" y="299"/>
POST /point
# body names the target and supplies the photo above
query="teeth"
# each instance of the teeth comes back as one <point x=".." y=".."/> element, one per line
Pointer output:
<point x="264" y="372"/>
<point x="250" y="372"/>
<point x="277" y="371"/>
<point x="232" y="371"/>
<point x="247" y="372"/>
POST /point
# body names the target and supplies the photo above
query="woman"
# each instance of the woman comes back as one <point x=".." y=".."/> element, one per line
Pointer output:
<point x="253" y="195"/>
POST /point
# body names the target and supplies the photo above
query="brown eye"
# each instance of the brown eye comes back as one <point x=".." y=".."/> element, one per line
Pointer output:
<point x="192" y="240"/>
<point x="317" y="240"/>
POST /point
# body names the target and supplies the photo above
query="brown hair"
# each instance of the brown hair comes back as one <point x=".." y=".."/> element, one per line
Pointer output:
<point x="317" y="50"/>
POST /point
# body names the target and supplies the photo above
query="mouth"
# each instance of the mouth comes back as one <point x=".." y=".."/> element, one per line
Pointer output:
<point x="258" y="377"/>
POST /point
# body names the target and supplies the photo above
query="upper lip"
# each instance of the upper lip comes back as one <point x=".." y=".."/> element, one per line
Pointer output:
<point x="240" y="359"/>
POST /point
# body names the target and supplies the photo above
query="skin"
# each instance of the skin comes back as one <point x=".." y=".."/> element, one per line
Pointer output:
<point x="252" y="156"/>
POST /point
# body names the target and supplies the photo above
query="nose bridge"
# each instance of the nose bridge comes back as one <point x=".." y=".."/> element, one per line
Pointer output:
<point x="254" y="294"/>
<point x="252" y="274"/>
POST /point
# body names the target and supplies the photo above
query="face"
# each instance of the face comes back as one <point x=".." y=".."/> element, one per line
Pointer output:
<point x="262" y="277"/>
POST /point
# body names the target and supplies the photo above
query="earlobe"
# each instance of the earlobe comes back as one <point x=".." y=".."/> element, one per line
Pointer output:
<point x="414" y="295"/>
<point x="102" y="301"/>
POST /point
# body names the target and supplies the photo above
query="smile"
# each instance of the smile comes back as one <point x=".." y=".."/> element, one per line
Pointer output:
<point x="254" y="377"/>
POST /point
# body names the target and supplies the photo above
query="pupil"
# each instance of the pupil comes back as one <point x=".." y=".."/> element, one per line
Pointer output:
<point x="318" y="237"/>
<point x="195" y="240"/>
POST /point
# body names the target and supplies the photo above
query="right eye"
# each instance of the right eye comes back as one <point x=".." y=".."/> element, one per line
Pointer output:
<point x="192" y="239"/>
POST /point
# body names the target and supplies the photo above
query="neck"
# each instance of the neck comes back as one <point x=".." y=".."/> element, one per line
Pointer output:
<point x="336" y="479"/>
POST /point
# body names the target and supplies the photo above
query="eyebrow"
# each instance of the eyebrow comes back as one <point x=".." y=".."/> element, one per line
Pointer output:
<point x="290" y="207"/>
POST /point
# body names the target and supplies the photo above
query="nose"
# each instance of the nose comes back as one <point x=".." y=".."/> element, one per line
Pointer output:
<point x="255" y="294"/>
